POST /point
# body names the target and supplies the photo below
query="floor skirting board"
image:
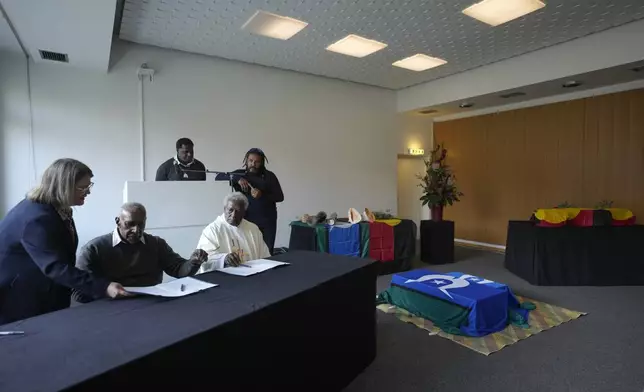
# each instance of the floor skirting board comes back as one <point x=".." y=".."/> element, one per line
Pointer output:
<point x="480" y="245"/>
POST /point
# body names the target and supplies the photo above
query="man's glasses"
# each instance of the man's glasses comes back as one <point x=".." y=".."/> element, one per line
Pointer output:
<point x="85" y="189"/>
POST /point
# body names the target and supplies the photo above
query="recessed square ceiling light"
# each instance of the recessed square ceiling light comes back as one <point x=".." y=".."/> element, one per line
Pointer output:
<point x="419" y="62"/>
<point x="497" y="12"/>
<point x="273" y="26"/>
<point x="356" y="46"/>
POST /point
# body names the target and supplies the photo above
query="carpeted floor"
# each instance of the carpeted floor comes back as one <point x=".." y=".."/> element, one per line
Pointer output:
<point x="603" y="351"/>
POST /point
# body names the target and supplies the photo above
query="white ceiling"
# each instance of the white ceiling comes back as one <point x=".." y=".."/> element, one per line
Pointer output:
<point x="82" y="29"/>
<point x="619" y="75"/>
<point x="8" y="42"/>
<point x="433" y="27"/>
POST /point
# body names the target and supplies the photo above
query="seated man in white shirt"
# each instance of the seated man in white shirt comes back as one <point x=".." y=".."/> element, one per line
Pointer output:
<point x="231" y="240"/>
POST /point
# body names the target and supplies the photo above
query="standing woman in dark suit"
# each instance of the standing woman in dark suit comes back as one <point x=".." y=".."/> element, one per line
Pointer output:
<point x="38" y="244"/>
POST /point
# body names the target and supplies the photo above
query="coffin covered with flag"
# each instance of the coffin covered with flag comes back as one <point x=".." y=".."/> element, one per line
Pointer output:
<point x="390" y="241"/>
<point x="583" y="217"/>
<point x="457" y="303"/>
<point x="344" y="239"/>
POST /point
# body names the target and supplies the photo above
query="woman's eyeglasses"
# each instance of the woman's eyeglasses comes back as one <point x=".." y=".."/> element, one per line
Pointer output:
<point x="85" y="189"/>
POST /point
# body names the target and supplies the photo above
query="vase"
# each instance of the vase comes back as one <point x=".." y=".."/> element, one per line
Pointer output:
<point x="437" y="213"/>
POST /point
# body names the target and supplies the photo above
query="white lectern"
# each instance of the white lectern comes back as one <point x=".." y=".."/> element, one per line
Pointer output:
<point x="178" y="210"/>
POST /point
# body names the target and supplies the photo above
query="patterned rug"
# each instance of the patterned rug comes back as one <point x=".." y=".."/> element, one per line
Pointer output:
<point x="544" y="317"/>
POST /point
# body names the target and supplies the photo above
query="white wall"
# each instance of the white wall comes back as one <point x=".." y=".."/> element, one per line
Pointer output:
<point x="332" y="144"/>
<point x="409" y="193"/>
<point x="613" y="47"/>
<point x="415" y="131"/>
<point x="15" y="159"/>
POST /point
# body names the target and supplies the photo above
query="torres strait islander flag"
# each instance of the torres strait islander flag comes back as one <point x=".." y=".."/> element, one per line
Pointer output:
<point x="457" y="303"/>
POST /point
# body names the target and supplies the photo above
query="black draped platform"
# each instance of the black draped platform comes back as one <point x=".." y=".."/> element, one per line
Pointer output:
<point x="437" y="242"/>
<point x="307" y="326"/>
<point x="576" y="256"/>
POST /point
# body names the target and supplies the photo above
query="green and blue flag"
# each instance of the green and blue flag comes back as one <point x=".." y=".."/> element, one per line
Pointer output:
<point x="457" y="303"/>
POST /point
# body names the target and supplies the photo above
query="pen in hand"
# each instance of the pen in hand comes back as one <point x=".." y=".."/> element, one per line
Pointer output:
<point x="237" y="249"/>
<point x="7" y="333"/>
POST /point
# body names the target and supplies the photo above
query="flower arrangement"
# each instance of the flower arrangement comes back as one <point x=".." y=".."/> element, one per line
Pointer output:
<point x="438" y="181"/>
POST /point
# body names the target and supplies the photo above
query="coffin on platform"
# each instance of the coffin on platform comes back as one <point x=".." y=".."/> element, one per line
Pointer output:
<point x="583" y="217"/>
<point x="390" y="241"/>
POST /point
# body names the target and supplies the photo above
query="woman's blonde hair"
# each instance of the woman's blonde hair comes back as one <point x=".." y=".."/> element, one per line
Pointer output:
<point x="58" y="183"/>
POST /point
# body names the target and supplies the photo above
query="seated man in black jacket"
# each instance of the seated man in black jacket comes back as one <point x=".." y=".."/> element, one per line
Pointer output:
<point x="133" y="258"/>
<point x="183" y="166"/>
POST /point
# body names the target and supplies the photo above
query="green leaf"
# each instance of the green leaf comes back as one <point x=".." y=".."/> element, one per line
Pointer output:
<point x="438" y="184"/>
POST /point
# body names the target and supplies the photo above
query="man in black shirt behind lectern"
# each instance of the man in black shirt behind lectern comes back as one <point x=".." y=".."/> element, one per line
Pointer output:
<point x="183" y="166"/>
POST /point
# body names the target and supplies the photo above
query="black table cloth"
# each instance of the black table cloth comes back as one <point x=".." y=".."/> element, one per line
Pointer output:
<point x="306" y="326"/>
<point x="404" y="247"/>
<point x="303" y="238"/>
<point x="576" y="256"/>
<point x="437" y="241"/>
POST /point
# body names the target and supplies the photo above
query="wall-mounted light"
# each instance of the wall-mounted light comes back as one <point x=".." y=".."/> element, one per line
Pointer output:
<point x="416" y="151"/>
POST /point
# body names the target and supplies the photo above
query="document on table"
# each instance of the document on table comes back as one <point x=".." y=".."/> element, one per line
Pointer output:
<point x="252" y="267"/>
<point x="175" y="288"/>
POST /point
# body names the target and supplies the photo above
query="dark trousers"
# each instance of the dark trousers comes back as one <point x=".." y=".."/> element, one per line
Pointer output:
<point x="269" y="231"/>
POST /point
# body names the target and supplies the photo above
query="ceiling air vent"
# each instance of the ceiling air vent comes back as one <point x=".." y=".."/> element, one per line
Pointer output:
<point x="53" y="56"/>
<point x="512" y="95"/>
<point x="428" y="111"/>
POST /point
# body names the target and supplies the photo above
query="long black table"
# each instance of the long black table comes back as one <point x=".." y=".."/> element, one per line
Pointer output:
<point x="576" y="256"/>
<point x="307" y="326"/>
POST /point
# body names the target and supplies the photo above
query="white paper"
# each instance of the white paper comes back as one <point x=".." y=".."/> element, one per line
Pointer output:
<point x="173" y="288"/>
<point x="253" y="267"/>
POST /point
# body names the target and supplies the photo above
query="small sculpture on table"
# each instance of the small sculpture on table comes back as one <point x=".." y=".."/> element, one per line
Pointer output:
<point x="353" y="217"/>
<point x="319" y="218"/>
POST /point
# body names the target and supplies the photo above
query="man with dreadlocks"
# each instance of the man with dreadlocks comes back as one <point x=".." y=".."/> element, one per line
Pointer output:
<point x="263" y="190"/>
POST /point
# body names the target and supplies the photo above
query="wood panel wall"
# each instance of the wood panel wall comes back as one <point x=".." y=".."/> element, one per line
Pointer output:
<point x="510" y="163"/>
